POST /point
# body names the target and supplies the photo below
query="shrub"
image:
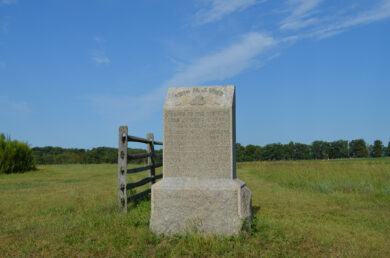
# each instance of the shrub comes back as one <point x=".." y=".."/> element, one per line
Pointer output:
<point x="15" y="156"/>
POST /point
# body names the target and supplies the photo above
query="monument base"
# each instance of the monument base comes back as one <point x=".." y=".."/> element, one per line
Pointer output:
<point x="206" y="206"/>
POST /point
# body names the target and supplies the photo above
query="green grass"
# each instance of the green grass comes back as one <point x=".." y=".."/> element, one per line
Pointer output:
<point x="301" y="208"/>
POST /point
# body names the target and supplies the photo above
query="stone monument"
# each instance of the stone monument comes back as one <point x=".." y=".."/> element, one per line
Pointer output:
<point x="199" y="191"/>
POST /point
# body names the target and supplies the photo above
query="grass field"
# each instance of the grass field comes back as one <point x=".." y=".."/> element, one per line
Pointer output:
<point x="301" y="208"/>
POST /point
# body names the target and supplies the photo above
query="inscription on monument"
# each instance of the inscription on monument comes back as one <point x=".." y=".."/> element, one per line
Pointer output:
<point x="198" y="141"/>
<point x="198" y="90"/>
<point x="198" y="96"/>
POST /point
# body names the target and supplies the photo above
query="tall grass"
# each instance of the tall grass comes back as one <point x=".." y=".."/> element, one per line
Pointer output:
<point x="15" y="156"/>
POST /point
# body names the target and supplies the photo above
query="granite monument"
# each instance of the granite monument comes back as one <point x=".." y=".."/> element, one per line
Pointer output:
<point x="199" y="191"/>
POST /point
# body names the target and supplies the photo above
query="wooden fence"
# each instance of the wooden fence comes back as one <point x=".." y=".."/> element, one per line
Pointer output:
<point x="123" y="157"/>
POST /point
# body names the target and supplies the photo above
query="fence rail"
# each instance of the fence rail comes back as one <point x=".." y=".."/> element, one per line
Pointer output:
<point x="142" y="140"/>
<point x="141" y="169"/>
<point x="138" y="155"/>
<point x="123" y="157"/>
<point x="139" y="183"/>
<point x="138" y="195"/>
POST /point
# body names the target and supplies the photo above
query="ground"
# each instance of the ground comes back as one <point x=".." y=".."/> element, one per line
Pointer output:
<point x="301" y="208"/>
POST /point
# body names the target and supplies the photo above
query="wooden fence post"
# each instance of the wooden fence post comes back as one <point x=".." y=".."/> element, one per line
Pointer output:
<point x="151" y="161"/>
<point x="122" y="169"/>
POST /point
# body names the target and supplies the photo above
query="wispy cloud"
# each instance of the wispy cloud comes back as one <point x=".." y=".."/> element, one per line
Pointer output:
<point x="302" y="21"/>
<point x="9" y="1"/>
<point x="304" y="13"/>
<point x="128" y="109"/>
<point x="100" y="58"/>
<point x="379" y="12"/>
<point x="98" y="55"/>
<point x="217" y="9"/>
<point x="10" y="107"/>
<point x="224" y="64"/>
<point x="301" y="12"/>
<point x="98" y="39"/>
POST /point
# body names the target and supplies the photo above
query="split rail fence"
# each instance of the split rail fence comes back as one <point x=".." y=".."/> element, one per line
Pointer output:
<point x="123" y="157"/>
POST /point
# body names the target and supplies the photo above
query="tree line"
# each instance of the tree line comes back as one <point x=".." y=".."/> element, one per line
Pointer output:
<point x="276" y="151"/>
<point x="16" y="156"/>
<point x="317" y="150"/>
<point x="58" y="155"/>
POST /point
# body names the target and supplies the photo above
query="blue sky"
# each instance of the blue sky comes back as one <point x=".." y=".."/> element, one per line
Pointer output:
<point x="71" y="72"/>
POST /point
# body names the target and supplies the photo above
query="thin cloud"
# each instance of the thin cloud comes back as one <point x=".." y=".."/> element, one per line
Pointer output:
<point x="221" y="8"/>
<point x="11" y="107"/>
<point x="224" y="64"/>
<point x="125" y="109"/>
<point x="99" y="55"/>
<point x="9" y="2"/>
<point x="380" y="12"/>
<point x="98" y="39"/>
<point x="253" y="50"/>
<point x="238" y="57"/>
<point x="301" y="14"/>
<point x="100" y="59"/>
<point x="221" y="65"/>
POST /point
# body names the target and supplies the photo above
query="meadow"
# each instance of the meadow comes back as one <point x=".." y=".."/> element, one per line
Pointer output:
<point x="301" y="208"/>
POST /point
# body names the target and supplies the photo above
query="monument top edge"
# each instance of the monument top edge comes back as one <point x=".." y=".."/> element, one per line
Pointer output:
<point x="221" y="96"/>
<point x="202" y="86"/>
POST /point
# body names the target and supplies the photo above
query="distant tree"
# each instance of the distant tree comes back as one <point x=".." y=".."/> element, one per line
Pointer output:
<point x="273" y="151"/>
<point x="240" y="152"/>
<point x="289" y="151"/>
<point x="320" y="150"/>
<point x="338" y="149"/>
<point x="370" y="149"/>
<point x="258" y="153"/>
<point x="358" y="149"/>
<point x="301" y="151"/>
<point x="159" y="157"/>
<point x="377" y="149"/>
<point x="58" y="155"/>
<point x="388" y="149"/>
<point x="249" y="154"/>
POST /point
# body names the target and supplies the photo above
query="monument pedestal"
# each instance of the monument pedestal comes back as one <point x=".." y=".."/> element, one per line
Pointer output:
<point x="212" y="206"/>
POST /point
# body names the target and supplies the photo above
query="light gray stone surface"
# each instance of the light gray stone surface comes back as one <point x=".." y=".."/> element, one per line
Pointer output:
<point x="214" y="206"/>
<point x="198" y="134"/>
<point x="199" y="191"/>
